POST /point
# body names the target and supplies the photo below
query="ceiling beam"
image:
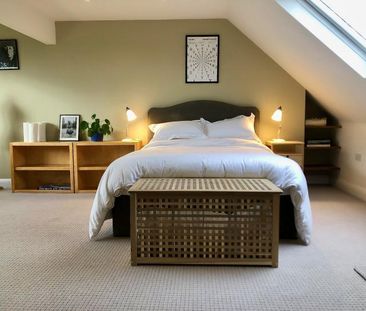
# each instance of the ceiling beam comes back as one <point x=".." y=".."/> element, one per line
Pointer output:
<point x="23" y="18"/>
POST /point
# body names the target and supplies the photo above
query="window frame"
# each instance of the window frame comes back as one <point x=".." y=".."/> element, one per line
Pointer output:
<point x="338" y="25"/>
<point x="325" y="30"/>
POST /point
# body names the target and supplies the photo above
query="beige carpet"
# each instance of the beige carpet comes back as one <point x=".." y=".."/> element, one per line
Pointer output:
<point x="47" y="263"/>
<point x="361" y="270"/>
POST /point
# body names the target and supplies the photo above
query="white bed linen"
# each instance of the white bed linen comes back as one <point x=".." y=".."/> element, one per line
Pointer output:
<point x="209" y="157"/>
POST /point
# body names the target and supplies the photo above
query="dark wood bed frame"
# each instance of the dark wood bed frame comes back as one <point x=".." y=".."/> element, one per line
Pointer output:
<point x="211" y="111"/>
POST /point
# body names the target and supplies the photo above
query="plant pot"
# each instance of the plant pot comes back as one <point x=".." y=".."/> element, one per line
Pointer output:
<point x="97" y="137"/>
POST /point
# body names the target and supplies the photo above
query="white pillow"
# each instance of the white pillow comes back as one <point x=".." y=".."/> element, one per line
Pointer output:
<point x="238" y="127"/>
<point x="177" y="130"/>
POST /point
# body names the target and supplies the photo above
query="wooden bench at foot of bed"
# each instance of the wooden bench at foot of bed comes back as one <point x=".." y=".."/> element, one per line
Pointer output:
<point x="231" y="221"/>
<point x="121" y="217"/>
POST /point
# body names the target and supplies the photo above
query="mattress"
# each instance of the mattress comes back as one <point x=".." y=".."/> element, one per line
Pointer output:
<point x="207" y="157"/>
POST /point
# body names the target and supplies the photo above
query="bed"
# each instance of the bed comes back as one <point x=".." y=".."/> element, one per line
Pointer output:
<point x="228" y="157"/>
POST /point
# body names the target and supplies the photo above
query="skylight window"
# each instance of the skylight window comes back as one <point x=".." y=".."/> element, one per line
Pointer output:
<point x="351" y="11"/>
<point x="347" y="16"/>
<point x="339" y="24"/>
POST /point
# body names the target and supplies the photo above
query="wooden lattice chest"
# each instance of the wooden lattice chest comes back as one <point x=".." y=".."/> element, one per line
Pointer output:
<point x="231" y="221"/>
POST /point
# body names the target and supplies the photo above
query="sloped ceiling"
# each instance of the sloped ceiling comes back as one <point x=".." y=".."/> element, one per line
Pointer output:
<point x="305" y="58"/>
<point x="27" y="19"/>
<point x="340" y="90"/>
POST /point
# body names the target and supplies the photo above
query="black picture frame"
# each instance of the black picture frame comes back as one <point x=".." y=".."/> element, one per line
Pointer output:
<point x="210" y="49"/>
<point x="69" y="125"/>
<point x="9" y="59"/>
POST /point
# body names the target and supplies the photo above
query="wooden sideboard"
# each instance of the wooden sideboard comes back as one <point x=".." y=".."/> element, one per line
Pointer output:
<point x="63" y="167"/>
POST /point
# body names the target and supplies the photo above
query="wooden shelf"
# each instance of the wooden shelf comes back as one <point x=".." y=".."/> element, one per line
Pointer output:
<point x="91" y="159"/>
<point x="43" y="163"/>
<point x="41" y="191"/>
<point x="320" y="161"/>
<point x="92" y="168"/>
<point x="322" y="148"/>
<point x="323" y="126"/>
<point x="44" y="168"/>
<point x="132" y="142"/>
<point x="41" y="144"/>
<point x="321" y="168"/>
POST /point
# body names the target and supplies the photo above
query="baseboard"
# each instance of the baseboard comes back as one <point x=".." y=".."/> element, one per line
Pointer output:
<point x="351" y="189"/>
<point x="5" y="183"/>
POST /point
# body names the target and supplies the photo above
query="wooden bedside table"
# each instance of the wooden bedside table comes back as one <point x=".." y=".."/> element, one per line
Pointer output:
<point x="92" y="158"/>
<point x="290" y="149"/>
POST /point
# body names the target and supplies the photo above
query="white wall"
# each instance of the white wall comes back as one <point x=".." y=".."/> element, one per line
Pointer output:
<point x="352" y="178"/>
<point x="331" y="81"/>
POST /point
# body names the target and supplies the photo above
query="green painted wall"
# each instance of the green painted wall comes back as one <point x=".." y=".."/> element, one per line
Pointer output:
<point x="101" y="67"/>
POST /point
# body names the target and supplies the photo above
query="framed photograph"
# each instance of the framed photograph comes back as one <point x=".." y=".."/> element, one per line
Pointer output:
<point x="202" y="58"/>
<point x="69" y="127"/>
<point x="9" y="55"/>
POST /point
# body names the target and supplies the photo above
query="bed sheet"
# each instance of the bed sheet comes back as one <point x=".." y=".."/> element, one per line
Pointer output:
<point x="208" y="157"/>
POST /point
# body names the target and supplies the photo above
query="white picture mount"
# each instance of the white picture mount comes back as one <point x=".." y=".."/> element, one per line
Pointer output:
<point x="202" y="58"/>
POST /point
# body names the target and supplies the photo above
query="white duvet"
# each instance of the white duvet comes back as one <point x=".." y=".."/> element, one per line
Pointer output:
<point x="208" y="157"/>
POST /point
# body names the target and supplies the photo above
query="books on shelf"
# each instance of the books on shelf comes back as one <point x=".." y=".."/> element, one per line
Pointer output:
<point x="316" y="121"/>
<point x="55" y="187"/>
<point x="318" y="143"/>
<point x="34" y="131"/>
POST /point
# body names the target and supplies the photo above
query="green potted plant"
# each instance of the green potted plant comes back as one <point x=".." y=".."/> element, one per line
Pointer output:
<point x="95" y="129"/>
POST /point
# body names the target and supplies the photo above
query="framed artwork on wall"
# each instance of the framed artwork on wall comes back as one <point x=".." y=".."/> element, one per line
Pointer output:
<point x="202" y="58"/>
<point x="9" y="55"/>
<point x="69" y="127"/>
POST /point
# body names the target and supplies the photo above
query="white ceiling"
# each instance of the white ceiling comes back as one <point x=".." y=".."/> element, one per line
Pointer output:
<point x="303" y="56"/>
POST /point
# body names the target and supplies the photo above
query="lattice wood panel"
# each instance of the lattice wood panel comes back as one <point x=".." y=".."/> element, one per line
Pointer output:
<point x="193" y="227"/>
<point x="205" y="184"/>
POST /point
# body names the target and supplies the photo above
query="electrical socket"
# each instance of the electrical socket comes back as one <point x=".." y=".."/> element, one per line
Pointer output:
<point x="358" y="157"/>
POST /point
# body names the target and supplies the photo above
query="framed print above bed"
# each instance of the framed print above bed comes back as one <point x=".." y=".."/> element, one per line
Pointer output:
<point x="202" y="58"/>
<point x="69" y="127"/>
<point x="9" y="55"/>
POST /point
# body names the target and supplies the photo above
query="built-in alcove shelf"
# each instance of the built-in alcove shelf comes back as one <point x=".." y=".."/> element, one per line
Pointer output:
<point x="323" y="126"/>
<point x="320" y="168"/>
<point x="320" y="161"/>
<point x="322" y="148"/>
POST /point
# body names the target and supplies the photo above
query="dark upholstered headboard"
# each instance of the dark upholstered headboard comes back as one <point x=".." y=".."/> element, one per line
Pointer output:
<point x="193" y="110"/>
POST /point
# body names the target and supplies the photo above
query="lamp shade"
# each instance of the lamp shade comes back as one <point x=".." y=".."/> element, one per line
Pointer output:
<point x="277" y="115"/>
<point x="130" y="115"/>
